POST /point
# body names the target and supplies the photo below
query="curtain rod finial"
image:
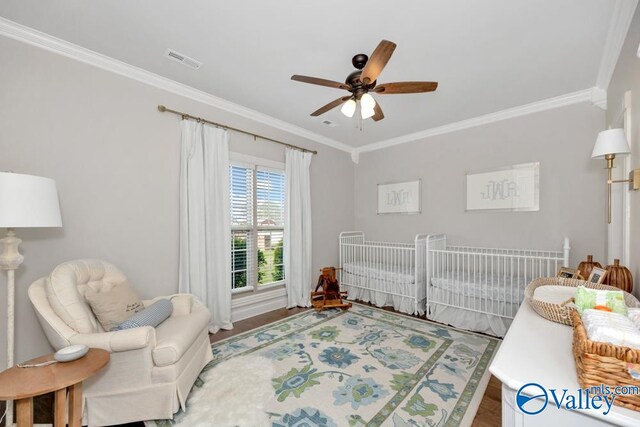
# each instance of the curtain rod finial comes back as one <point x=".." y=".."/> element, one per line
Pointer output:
<point x="162" y="108"/>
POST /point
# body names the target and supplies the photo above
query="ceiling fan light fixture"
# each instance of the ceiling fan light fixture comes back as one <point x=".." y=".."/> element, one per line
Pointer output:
<point x="349" y="108"/>
<point x="366" y="113"/>
<point x="364" y="80"/>
<point x="367" y="102"/>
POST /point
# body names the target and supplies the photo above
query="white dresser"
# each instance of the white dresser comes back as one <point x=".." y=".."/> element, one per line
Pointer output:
<point x="536" y="350"/>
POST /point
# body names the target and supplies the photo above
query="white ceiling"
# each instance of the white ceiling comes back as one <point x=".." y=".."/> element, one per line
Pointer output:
<point x="487" y="55"/>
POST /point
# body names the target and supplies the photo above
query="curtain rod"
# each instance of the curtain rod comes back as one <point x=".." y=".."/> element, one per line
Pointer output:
<point x="164" y="109"/>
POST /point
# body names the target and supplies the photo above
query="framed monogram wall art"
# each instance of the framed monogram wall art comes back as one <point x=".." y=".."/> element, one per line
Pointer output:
<point x="399" y="198"/>
<point x="513" y="188"/>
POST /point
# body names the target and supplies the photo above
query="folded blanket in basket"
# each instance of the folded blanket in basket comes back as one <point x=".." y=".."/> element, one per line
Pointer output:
<point x="609" y="327"/>
<point x="589" y="298"/>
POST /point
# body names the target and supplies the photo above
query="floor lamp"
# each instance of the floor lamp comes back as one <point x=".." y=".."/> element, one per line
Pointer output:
<point x="26" y="201"/>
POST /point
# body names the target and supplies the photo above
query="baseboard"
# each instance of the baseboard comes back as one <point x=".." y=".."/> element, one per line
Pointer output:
<point x="256" y="304"/>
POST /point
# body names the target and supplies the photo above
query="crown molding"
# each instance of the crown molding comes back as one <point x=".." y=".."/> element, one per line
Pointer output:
<point x="599" y="98"/>
<point x="355" y="156"/>
<point x="523" y="110"/>
<point x="618" y="29"/>
<point x="45" y="41"/>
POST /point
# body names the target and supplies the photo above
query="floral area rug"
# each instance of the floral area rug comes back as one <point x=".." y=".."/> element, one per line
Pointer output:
<point x="362" y="367"/>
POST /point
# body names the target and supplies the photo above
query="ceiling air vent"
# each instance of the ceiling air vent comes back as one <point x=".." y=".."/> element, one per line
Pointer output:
<point x="183" y="59"/>
<point x="329" y="123"/>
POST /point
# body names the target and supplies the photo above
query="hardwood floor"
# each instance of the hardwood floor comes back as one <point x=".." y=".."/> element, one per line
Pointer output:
<point x="489" y="413"/>
<point x="255" y="322"/>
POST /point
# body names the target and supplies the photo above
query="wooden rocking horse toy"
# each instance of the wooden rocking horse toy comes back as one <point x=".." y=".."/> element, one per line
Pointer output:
<point x="327" y="293"/>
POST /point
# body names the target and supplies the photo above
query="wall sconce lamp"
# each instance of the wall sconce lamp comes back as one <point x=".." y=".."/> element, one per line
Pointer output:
<point x="609" y="143"/>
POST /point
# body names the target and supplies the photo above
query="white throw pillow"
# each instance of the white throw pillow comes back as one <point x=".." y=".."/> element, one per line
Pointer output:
<point x="113" y="305"/>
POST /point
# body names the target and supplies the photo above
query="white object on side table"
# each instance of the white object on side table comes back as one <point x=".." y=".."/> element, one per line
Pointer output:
<point x="25" y="201"/>
<point x="537" y="350"/>
<point x="71" y="353"/>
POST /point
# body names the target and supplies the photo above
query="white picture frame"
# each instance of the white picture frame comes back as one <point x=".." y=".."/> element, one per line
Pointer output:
<point x="400" y="197"/>
<point x="513" y="188"/>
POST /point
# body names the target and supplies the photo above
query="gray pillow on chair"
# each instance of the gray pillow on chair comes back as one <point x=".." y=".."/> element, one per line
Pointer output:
<point x="153" y="315"/>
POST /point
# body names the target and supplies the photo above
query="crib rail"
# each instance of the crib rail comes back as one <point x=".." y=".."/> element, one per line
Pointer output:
<point x="500" y="251"/>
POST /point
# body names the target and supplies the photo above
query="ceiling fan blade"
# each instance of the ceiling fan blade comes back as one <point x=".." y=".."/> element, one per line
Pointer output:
<point x="377" y="61"/>
<point x="330" y="106"/>
<point x="321" y="82"/>
<point x="378" y="114"/>
<point x="405" y="87"/>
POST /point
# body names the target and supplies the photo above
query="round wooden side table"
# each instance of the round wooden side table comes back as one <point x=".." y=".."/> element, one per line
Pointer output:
<point x="22" y="384"/>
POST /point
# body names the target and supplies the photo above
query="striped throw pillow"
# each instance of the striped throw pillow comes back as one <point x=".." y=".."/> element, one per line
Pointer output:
<point x="153" y="315"/>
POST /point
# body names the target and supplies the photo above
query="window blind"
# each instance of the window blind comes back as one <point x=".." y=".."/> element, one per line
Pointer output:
<point x="241" y="197"/>
<point x="270" y="198"/>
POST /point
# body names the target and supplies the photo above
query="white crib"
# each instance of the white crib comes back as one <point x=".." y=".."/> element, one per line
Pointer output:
<point x="481" y="289"/>
<point x="384" y="273"/>
<point x="470" y="288"/>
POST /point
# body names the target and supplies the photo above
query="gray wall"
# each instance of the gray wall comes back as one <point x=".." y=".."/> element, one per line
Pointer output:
<point x="572" y="186"/>
<point x="116" y="161"/>
<point x="626" y="77"/>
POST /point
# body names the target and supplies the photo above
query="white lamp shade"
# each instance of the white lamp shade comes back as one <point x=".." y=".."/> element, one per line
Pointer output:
<point x="366" y="113"/>
<point x="28" y="201"/>
<point x="367" y="102"/>
<point x="612" y="141"/>
<point x="349" y="108"/>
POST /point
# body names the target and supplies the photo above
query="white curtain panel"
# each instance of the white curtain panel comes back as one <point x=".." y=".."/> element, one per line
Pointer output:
<point x="205" y="224"/>
<point x="297" y="234"/>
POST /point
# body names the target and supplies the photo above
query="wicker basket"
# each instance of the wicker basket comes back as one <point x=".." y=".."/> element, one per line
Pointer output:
<point x="603" y="363"/>
<point x="560" y="313"/>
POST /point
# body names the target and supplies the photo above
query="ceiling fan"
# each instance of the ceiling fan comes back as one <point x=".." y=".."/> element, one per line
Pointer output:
<point x="364" y="80"/>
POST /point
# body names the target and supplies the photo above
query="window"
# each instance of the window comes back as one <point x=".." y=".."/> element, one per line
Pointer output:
<point x="257" y="225"/>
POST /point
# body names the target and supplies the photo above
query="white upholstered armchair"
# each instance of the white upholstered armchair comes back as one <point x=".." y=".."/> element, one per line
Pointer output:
<point x="151" y="369"/>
